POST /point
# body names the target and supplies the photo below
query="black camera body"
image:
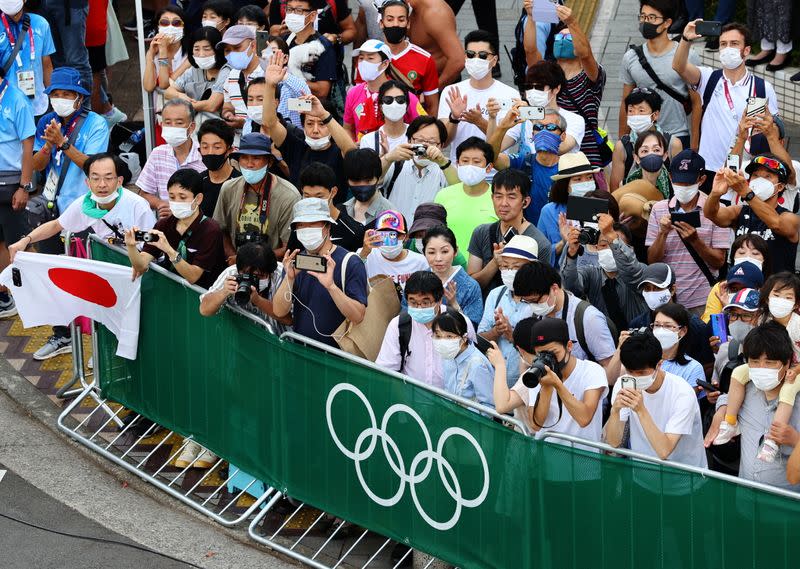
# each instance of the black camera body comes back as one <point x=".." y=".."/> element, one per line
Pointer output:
<point x="419" y="149"/>
<point x="537" y="371"/>
<point x="248" y="237"/>
<point x="145" y="236"/>
<point x="588" y="236"/>
<point x="243" y="283"/>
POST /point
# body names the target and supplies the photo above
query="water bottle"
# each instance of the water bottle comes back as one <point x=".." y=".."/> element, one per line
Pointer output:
<point x="135" y="138"/>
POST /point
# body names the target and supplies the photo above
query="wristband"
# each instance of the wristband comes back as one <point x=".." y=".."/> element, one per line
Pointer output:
<point x="684" y="38"/>
<point x="452" y="119"/>
<point x="328" y="119"/>
<point x="447" y="165"/>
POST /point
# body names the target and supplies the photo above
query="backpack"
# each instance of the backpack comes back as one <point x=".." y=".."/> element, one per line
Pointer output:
<point x="580" y="311"/>
<point x="735" y="359"/>
<point x="519" y="63"/>
<point x="404" y="328"/>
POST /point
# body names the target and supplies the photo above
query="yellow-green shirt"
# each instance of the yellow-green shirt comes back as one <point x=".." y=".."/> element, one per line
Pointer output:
<point x="465" y="213"/>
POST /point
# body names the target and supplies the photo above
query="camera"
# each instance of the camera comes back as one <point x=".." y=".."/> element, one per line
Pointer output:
<point x="145" y="236"/>
<point x="243" y="283"/>
<point x="588" y="236"/>
<point x="248" y="237"/>
<point x="536" y="372"/>
<point x="419" y="149"/>
<point x="642" y="330"/>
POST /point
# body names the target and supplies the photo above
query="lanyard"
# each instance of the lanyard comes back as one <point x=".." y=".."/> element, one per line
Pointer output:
<point x="4" y="84"/>
<point x="67" y="134"/>
<point x="263" y="201"/>
<point x="730" y="99"/>
<point x="12" y="40"/>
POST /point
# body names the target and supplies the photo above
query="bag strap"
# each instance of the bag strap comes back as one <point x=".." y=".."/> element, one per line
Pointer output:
<point x="62" y="174"/>
<point x="733" y="349"/>
<point x="500" y="297"/>
<point x="628" y="146"/>
<point x="613" y="307"/>
<point x="387" y="190"/>
<point x="344" y="269"/>
<point x="701" y="264"/>
<point x="580" y="310"/>
<point x="716" y="75"/>
<point x="404" y="329"/>
<point x="26" y="24"/>
<point x="639" y="51"/>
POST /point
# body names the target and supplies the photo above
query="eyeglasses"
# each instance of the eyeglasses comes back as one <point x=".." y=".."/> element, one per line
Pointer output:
<point x="652" y="18"/>
<point x="550" y="127"/>
<point x="389" y="99"/>
<point x="770" y="163"/>
<point x="673" y="327"/>
<point x="482" y="54"/>
<point x="426" y="142"/>
<point x="177" y="22"/>
<point x="299" y="11"/>
<point x="733" y="317"/>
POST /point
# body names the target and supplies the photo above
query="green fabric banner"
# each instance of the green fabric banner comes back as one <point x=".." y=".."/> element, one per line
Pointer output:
<point x="409" y="464"/>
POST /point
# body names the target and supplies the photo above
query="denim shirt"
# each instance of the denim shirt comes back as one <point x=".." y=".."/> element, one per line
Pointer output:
<point x="471" y="376"/>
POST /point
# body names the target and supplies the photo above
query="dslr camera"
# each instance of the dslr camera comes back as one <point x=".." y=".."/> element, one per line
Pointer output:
<point x="536" y="372"/>
<point x="588" y="236"/>
<point x="243" y="283"/>
<point x="419" y="149"/>
<point x="248" y="237"/>
<point x="145" y="236"/>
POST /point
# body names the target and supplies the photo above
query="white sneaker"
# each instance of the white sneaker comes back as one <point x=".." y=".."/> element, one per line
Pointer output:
<point x="207" y="459"/>
<point x="190" y="452"/>
<point x="726" y="432"/>
<point x="768" y="451"/>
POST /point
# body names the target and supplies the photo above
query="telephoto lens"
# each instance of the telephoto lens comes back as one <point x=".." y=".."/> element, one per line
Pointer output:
<point x="537" y="371"/>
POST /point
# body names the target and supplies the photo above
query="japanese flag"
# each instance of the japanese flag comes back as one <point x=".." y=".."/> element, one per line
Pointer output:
<point x="55" y="289"/>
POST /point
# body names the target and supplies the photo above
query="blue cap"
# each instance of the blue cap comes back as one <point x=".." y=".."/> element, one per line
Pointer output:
<point x="686" y="167"/>
<point x="746" y="299"/>
<point x="746" y="273"/>
<point x="66" y="78"/>
<point x="254" y="144"/>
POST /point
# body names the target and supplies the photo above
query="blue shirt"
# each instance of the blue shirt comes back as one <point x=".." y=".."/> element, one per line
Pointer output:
<point x="468" y="295"/>
<point x="470" y="375"/>
<point x="92" y="138"/>
<point x="691" y="372"/>
<point x="16" y="125"/>
<point x="316" y="316"/>
<point x="292" y="88"/>
<point x="514" y="311"/>
<point x="43" y="46"/>
<point x="525" y="160"/>
<point x="548" y="224"/>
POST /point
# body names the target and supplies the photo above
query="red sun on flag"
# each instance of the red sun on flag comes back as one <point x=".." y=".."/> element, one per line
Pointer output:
<point x="84" y="285"/>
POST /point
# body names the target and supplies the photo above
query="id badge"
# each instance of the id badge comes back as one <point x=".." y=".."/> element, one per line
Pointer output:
<point x="49" y="190"/>
<point x="26" y="83"/>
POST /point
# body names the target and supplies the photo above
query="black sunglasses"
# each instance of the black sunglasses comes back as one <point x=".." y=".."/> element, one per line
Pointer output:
<point x="389" y="99"/>
<point x="549" y="127"/>
<point x="482" y="54"/>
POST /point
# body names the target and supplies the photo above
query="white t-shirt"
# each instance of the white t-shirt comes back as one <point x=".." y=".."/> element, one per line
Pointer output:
<point x="369" y="141"/>
<point x="130" y="210"/>
<point x="576" y="128"/>
<point x="497" y="90"/>
<point x="674" y="410"/>
<point x="399" y="271"/>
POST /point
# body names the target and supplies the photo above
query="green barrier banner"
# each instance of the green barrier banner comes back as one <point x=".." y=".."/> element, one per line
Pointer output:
<point x="406" y="463"/>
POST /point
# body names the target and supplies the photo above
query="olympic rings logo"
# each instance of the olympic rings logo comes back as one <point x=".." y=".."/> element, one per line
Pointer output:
<point x="413" y="476"/>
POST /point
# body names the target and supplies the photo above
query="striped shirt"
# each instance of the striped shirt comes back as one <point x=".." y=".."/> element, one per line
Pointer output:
<point x="581" y="96"/>
<point x="233" y="92"/>
<point x="161" y="164"/>
<point x="693" y="287"/>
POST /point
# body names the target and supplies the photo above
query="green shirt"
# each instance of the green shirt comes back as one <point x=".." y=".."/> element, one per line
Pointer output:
<point x="465" y="213"/>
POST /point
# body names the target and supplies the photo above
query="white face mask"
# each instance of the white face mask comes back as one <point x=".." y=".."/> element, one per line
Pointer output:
<point x="181" y="210"/>
<point x="418" y="245"/>
<point x="762" y="188"/>
<point x="738" y="330"/>
<point x="104" y="200"/>
<point x="645" y="381"/>
<point x="656" y="298"/>
<point x="605" y="258"/>
<point x="174" y="33"/>
<point x="667" y="338"/>
<point x="262" y="284"/>
<point x="392" y="251"/>
<point x="730" y="57"/>
<point x="580" y="189"/>
<point x="311" y="237"/>
<point x="537" y="98"/>
<point x="209" y="23"/>
<point x="255" y="113"/>
<point x="764" y="378"/>
<point x="471" y="175"/>
<point x="295" y="22"/>
<point x="685" y="194"/>
<point x="174" y="135"/>
<point x="477" y="68"/>
<point x="447" y="348"/>
<point x="541" y="308"/>
<point x="780" y="307"/>
<point x="394" y="112"/>
<point x="205" y="62"/>
<point x="746" y="259"/>
<point x="318" y="143"/>
<point x="63" y="107"/>
<point x="11" y="7"/>
<point x="639" y="123"/>
<point x="422" y="162"/>
<point x="368" y="70"/>
<point x="507" y="276"/>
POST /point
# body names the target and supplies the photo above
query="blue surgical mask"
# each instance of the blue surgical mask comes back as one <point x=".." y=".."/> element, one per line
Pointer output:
<point x="422" y="315"/>
<point x="563" y="48"/>
<point x="546" y="141"/>
<point x="253" y="177"/>
<point x="239" y="59"/>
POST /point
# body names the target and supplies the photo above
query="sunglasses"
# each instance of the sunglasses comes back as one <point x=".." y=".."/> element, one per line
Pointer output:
<point x="642" y="90"/>
<point x="482" y="54"/>
<point x="770" y="163"/>
<point x="550" y="127"/>
<point x="177" y="22"/>
<point x="389" y="99"/>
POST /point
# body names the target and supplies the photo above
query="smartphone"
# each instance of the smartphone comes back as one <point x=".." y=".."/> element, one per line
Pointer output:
<point x="709" y="29"/>
<point x="585" y="209"/>
<point x="719" y="327"/>
<point x="482" y="344"/>
<point x="692" y="218"/>
<point x="628" y="382"/>
<point x="509" y="234"/>
<point x="531" y="113"/>
<point x="733" y="162"/>
<point x="710" y="387"/>
<point x="389" y="238"/>
<point x="16" y="277"/>
<point x="756" y="106"/>
<point x="261" y="41"/>
<point x="313" y="263"/>
<point x="299" y="105"/>
<point x="506" y="104"/>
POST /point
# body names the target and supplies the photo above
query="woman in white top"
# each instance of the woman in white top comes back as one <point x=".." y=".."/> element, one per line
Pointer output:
<point x="194" y="84"/>
<point x="394" y="99"/>
<point x="165" y="60"/>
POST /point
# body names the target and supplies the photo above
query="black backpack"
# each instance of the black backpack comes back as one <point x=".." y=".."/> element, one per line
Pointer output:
<point x="716" y="75"/>
<point x="404" y="327"/>
<point x="517" y="54"/>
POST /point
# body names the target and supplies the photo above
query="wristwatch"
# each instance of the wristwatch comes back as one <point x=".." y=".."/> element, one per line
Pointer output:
<point x="27" y="187"/>
<point x="446" y="165"/>
<point x="452" y="119"/>
<point x="65" y="146"/>
<point x="178" y="258"/>
<point x="749" y="196"/>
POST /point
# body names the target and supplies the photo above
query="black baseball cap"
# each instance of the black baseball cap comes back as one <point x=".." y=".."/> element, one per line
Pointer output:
<point x="686" y="167"/>
<point x="549" y="330"/>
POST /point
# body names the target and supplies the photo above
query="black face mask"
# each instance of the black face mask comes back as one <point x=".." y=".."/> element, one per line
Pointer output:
<point x="648" y="30"/>
<point x="214" y="161"/>
<point x="364" y="193"/>
<point x="395" y="34"/>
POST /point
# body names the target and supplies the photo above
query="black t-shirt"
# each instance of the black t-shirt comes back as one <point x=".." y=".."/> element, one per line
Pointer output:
<point x="347" y="233"/>
<point x="782" y="252"/>
<point x="211" y="192"/>
<point x="298" y="155"/>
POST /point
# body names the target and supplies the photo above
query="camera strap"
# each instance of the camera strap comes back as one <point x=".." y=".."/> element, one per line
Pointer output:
<point x="701" y="264"/>
<point x="264" y="198"/>
<point x="560" y="411"/>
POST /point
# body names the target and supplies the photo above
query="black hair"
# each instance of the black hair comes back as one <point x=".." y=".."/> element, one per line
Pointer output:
<point x="640" y="351"/>
<point x="278" y="40"/>
<point x="424" y="282"/>
<point x="523" y="334"/>
<point x="547" y="73"/>
<point x="753" y="241"/>
<point x="119" y="165"/>
<point x="625" y="230"/>
<point x="362" y="164"/>
<point x="255" y="81"/>
<point x="741" y="28"/>
<point x="450" y="320"/>
<point x="681" y="317"/>
<point x="778" y="281"/>
<point x="651" y="133"/>
<point x="218" y="127"/>
<point x="439" y="231"/>
<point x="423" y="121"/>
<point x="479" y="143"/>
<point x="256" y="256"/>
<point x="174" y="9"/>
<point x="638" y="96"/>
<point x="394" y="84"/>
<point x="253" y="13"/>
<point x="188" y="179"/>
<point x="559" y="191"/>
<point x="664" y="7"/>
<point x="213" y="37"/>
<point x="535" y="278"/>
<point x="782" y="178"/>
<point x="222" y="8"/>
<point x="769" y="339"/>
<point x="326" y="104"/>
<point x="510" y="179"/>
<point x="390" y="3"/>
<point x="318" y="174"/>
<point x="483" y="36"/>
